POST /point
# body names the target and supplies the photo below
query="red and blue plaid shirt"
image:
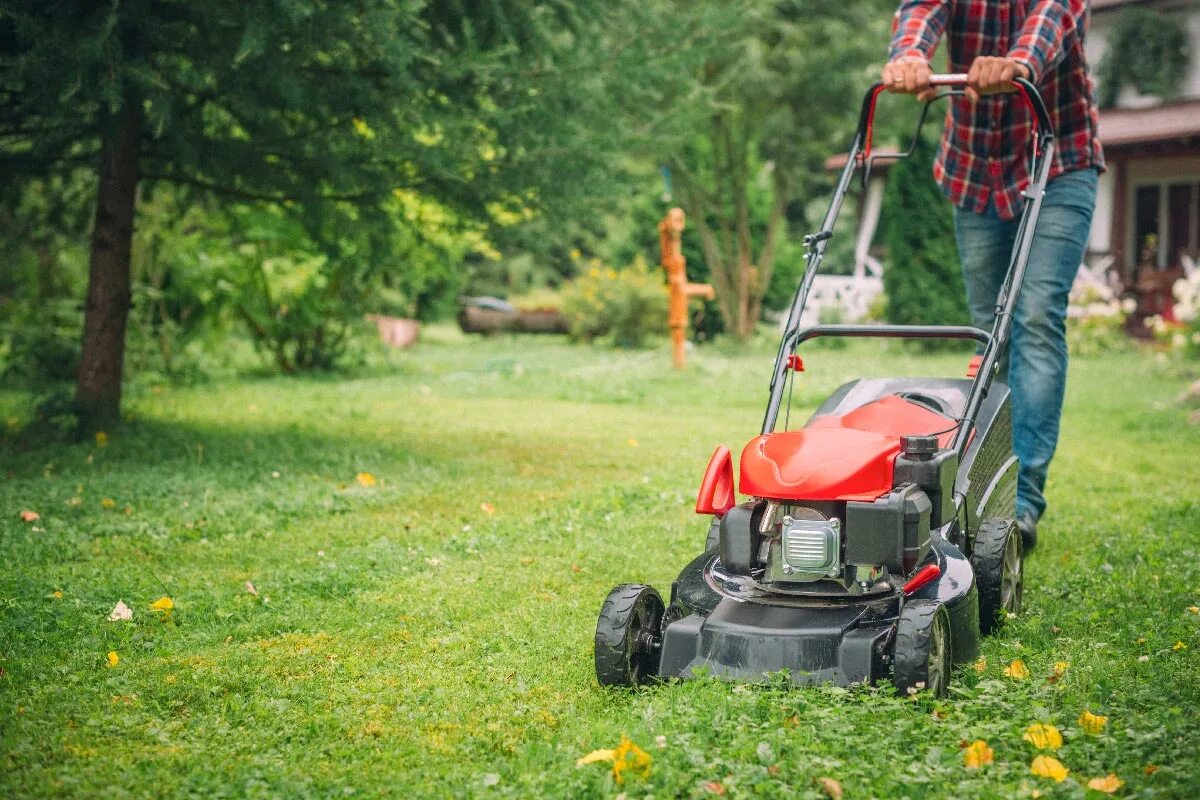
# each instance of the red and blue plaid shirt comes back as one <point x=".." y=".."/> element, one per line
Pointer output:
<point x="985" y="147"/>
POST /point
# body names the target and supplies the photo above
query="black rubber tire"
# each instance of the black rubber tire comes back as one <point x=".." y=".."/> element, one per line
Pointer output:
<point x="714" y="535"/>
<point x="999" y="579"/>
<point x="923" y="652"/>
<point x="629" y="635"/>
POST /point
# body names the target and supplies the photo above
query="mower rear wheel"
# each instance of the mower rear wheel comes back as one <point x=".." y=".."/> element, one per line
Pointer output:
<point x="923" y="648"/>
<point x="999" y="563"/>
<point x="629" y="635"/>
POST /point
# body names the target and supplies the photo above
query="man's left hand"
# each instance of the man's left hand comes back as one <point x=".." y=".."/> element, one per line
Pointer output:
<point x="993" y="75"/>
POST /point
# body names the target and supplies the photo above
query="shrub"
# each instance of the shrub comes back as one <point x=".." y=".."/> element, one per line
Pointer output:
<point x="1187" y="313"/>
<point x="625" y="306"/>
<point x="1096" y="320"/>
<point x="923" y="279"/>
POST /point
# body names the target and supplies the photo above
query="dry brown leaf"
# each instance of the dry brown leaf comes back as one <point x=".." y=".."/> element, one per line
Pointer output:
<point x="30" y="516"/>
<point x="831" y="788"/>
<point x="250" y="589"/>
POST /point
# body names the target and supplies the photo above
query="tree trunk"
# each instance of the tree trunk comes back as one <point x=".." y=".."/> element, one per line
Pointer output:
<point x="98" y="384"/>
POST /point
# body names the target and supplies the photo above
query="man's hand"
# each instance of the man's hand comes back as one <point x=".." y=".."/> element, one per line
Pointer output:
<point x="993" y="75"/>
<point x="909" y="76"/>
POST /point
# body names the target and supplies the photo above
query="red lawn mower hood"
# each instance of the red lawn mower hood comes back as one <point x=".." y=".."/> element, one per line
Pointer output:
<point x="838" y="457"/>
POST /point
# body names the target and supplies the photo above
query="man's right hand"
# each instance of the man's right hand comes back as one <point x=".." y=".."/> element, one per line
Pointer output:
<point x="909" y="76"/>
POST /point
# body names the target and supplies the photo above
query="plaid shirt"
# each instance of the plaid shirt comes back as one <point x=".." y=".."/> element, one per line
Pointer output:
<point x="985" y="147"/>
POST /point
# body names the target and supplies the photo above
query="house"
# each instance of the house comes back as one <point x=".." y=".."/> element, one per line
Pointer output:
<point x="1146" y="228"/>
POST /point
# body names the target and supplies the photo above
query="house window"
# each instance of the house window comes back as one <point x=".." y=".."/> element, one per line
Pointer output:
<point x="1166" y="223"/>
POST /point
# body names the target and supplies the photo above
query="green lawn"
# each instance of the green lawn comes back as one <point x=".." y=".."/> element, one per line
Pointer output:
<point x="430" y="635"/>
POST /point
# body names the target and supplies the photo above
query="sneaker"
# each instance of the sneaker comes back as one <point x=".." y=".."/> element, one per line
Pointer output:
<point x="1027" y="525"/>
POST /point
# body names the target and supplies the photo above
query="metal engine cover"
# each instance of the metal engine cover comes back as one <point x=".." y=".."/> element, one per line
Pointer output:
<point x="807" y="550"/>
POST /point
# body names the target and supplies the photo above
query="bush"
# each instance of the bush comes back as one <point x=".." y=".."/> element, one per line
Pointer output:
<point x="923" y="279"/>
<point x="1096" y="321"/>
<point x="625" y="306"/>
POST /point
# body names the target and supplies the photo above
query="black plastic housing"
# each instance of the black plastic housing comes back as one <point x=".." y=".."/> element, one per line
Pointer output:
<point x="892" y="531"/>
<point x="740" y="538"/>
<point x="934" y="474"/>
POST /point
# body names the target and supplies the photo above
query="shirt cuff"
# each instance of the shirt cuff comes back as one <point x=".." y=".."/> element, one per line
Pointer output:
<point x="1026" y="58"/>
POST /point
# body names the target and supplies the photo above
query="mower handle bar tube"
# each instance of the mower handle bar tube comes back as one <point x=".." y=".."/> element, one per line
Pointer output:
<point x="994" y="343"/>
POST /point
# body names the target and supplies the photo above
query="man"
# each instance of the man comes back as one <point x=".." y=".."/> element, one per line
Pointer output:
<point x="983" y="166"/>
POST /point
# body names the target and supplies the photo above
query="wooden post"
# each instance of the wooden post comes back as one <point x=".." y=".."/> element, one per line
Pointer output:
<point x="670" y="240"/>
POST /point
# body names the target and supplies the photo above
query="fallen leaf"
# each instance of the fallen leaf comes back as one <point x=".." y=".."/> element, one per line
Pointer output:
<point x="365" y="479"/>
<point x="1047" y="767"/>
<point x="1043" y="736"/>
<point x="30" y="516"/>
<point x="57" y="594"/>
<point x="629" y="757"/>
<point x="250" y="589"/>
<point x="831" y="788"/>
<point x="75" y="502"/>
<point x="660" y="741"/>
<point x="980" y="664"/>
<point x="487" y="508"/>
<point x="120" y="612"/>
<point x="1108" y="784"/>
<point x="715" y="787"/>
<point x="1092" y="723"/>
<point x="101" y="439"/>
<point x="1194" y="609"/>
<point x="595" y="756"/>
<point x="163" y="604"/>
<point x="107" y="503"/>
<point x="491" y="779"/>
<point x="1055" y="629"/>
<point x="977" y="754"/>
<point x="1017" y="670"/>
<point x="113" y="659"/>
<point x="632" y="442"/>
<point x="1150" y="769"/>
<point x="1179" y="646"/>
<point x="1060" y="667"/>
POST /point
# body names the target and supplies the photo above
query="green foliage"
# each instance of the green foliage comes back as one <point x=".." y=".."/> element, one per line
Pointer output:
<point x="404" y="643"/>
<point x="626" y="306"/>
<point x="923" y="277"/>
<point x="1149" y="50"/>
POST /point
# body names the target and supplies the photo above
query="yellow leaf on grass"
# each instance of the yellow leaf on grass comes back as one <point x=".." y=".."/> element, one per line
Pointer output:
<point x="107" y="503"/>
<point x="1043" y="736"/>
<point x="977" y="753"/>
<point x="30" y="516"/>
<point x="1194" y="609"/>
<point x="163" y="604"/>
<point x="632" y="442"/>
<point x="629" y="757"/>
<point x="365" y="479"/>
<point x="101" y="439"/>
<point x="1060" y="667"/>
<point x="831" y="788"/>
<point x="1179" y="646"/>
<point x="487" y="508"/>
<point x="1108" y="784"/>
<point x="594" y="756"/>
<point x="980" y="664"/>
<point x="1017" y="670"/>
<point x="1092" y="723"/>
<point x="113" y="659"/>
<point x="1047" y="767"/>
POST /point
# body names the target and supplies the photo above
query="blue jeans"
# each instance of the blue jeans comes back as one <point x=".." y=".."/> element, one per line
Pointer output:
<point x="1036" y="367"/>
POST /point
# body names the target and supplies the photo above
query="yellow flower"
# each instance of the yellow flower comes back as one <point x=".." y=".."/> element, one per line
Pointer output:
<point x="57" y="595"/>
<point x="594" y="756"/>
<point x="108" y="502"/>
<point x="163" y="604"/>
<point x="1179" y="646"/>
<point x="980" y="664"/>
<point x="1092" y="723"/>
<point x="628" y="756"/>
<point x="1194" y="609"/>
<point x="113" y="658"/>
<point x="365" y="479"/>
<point x="1108" y="785"/>
<point x="1043" y="737"/>
<point x="1047" y="767"/>
<point x="977" y="754"/>
<point x="1017" y="670"/>
<point x="101" y="439"/>
<point x="1060" y="667"/>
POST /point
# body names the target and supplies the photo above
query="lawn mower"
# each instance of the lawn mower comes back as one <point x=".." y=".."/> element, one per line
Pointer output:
<point x="879" y="540"/>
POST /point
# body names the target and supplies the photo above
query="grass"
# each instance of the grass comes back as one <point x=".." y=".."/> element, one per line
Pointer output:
<point x="406" y="642"/>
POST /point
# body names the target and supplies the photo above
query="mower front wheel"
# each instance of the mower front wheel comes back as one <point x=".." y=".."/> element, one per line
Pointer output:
<point x="922" y="656"/>
<point x="629" y="635"/>
<point x="999" y="563"/>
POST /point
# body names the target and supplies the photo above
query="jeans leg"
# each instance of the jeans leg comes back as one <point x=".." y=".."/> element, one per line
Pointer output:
<point x="1038" y="375"/>
<point x="985" y="243"/>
